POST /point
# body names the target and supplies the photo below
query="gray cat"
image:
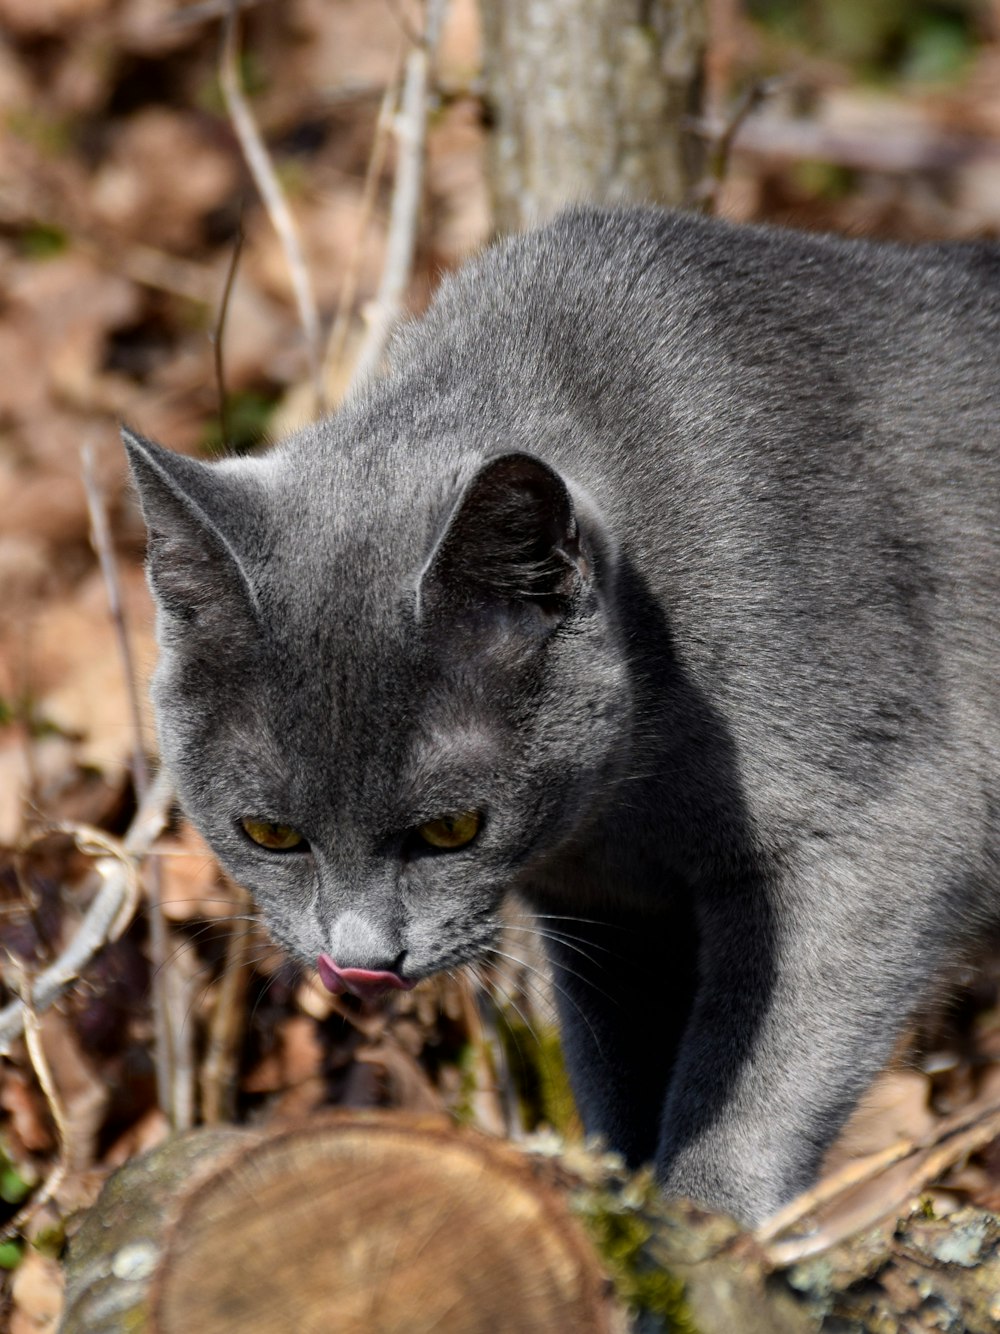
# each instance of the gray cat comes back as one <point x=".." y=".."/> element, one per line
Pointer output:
<point x="656" y="581"/>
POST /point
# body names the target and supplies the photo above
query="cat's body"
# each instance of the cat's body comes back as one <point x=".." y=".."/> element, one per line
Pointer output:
<point x="716" y="662"/>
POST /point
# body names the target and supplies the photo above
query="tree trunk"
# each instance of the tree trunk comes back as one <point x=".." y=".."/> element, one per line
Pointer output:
<point x="589" y="100"/>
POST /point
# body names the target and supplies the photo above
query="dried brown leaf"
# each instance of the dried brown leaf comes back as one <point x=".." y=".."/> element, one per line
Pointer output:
<point x="37" y="1292"/>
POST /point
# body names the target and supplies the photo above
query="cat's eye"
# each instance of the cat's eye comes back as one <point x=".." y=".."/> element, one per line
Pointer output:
<point x="451" y="831"/>
<point x="274" y="837"/>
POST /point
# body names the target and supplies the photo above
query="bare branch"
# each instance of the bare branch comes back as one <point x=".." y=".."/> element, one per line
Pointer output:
<point x="349" y="285"/>
<point x="43" y="1073"/>
<point x="168" y="1053"/>
<point x="104" y="918"/>
<point x="953" y="1138"/>
<point x="219" y="332"/>
<point x="225" y="1033"/>
<point x="266" y="180"/>
<point x="411" y="137"/>
<point x="100" y="537"/>
<point x="706" y="193"/>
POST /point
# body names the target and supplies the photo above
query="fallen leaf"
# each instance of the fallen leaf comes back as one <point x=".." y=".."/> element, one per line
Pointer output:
<point x="37" y="1293"/>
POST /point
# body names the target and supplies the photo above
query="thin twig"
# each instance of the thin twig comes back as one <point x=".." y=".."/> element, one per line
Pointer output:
<point x="225" y="1031"/>
<point x="706" y="193"/>
<point x="852" y="1174"/>
<point x="168" y="1056"/>
<point x="104" y="916"/>
<point x="266" y="180"/>
<point x="94" y="842"/>
<point x="496" y="1102"/>
<point x="43" y="1073"/>
<point x="403" y="22"/>
<point x="203" y="13"/>
<point x="220" y="330"/>
<point x="411" y="137"/>
<point x="100" y="537"/>
<point x="349" y="286"/>
<point x="952" y="1139"/>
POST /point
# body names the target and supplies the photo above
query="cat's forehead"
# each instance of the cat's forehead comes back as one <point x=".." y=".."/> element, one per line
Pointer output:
<point x="346" y="545"/>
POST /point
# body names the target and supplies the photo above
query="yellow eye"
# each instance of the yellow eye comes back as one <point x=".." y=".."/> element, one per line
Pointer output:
<point x="451" y="831"/>
<point x="274" y="837"/>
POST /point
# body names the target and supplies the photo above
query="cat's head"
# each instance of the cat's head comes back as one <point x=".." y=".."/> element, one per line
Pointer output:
<point x="386" y="694"/>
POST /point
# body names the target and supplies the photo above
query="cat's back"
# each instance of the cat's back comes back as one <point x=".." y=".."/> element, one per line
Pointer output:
<point x="796" y="438"/>
<point x="679" y="367"/>
<point x="671" y="338"/>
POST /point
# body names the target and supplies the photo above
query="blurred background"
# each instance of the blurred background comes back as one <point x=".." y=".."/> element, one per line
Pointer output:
<point x="142" y="278"/>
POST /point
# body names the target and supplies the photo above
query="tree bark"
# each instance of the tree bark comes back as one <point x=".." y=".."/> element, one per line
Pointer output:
<point x="589" y="100"/>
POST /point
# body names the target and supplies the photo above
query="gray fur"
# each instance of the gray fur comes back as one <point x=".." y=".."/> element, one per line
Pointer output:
<point x="721" y="671"/>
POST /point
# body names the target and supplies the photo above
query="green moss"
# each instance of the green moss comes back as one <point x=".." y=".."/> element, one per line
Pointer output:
<point x="247" y="416"/>
<point x="824" y="180"/>
<point x="22" y="710"/>
<point x="11" y="1254"/>
<point x="51" y="135"/>
<point x="558" y="1107"/>
<point x="42" y="240"/>
<point x="51" y="1241"/>
<point x="917" y="40"/>
<point x="620" y="1228"/>
<point x="252" y="80"/>
<point x="534" y="1057"/>
<point x="939" y="49"/>
<point x="463" y="1111"/>
<point x="13" y="1187"/>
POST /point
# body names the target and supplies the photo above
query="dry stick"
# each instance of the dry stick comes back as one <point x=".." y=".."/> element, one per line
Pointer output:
<point x="210" y="9"/>
<point x="220" y="330"/>
<point x="411" y="136"/>
<point x="225" y="1032"/>
<point x="103" y="918"/>
<point x="954" y="1138"/>
<point x="497" y="1104"/>
<point x="100" y="538"/>
<point x="706" y="193"/>
<point x="169" y="1056"/>
<point x="266" y="180"/>
<point x="43" y="1073"/>
<point x="349" y="286"/>
<point x="403" y="22"/>
<point x="828" y="1188"/>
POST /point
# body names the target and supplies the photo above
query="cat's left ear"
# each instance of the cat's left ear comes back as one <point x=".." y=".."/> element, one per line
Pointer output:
<point x="512" y="541"/>
<point x="192" y="512"/>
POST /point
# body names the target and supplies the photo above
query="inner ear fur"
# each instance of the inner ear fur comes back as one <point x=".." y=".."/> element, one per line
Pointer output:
<point x="512" y="540"/>
<point x="194" y="570"/>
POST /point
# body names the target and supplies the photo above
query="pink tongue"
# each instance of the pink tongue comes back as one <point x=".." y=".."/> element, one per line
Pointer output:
<point x="363" y="982"/>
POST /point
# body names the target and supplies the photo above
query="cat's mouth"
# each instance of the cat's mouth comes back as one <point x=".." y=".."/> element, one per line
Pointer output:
<point x="366" y="983"/>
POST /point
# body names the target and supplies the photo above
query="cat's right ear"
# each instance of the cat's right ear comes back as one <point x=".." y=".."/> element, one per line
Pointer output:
<point x="194" y="569"/>
<point x="512" y="546"/>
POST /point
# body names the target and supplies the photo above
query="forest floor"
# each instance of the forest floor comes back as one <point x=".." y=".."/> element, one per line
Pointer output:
<point x="123" y="192"/>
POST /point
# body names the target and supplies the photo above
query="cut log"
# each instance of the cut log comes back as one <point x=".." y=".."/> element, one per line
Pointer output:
<point x="358" y="1221"/>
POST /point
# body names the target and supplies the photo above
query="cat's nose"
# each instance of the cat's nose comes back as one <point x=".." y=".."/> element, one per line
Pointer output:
<point x="363" y="982"/>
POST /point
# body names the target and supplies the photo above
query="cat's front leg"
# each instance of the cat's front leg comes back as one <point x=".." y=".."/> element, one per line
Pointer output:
<point x="624" y="986"/>
<point x="805" y="984"/>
